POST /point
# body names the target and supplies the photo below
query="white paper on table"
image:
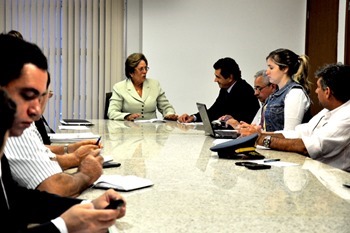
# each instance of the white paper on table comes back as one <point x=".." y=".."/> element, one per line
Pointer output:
<point x="275" y="163"/>
<point x="72" y="137"/>
<point x="73" y="127"/>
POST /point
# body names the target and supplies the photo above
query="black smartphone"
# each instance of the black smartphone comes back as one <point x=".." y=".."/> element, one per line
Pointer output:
<point x="110" y="164"/>
<point x="256" y="166"/>
<point x="114" y="204"/>
<point x="253" y="166"/>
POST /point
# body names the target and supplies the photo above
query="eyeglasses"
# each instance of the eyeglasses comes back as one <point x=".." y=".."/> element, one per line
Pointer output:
<point x="50" y="93"/>
<point x="260" y="88"/>
<point x="141" y="69"/>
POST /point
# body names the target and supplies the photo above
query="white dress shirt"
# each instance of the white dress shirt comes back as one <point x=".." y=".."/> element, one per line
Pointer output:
<point x="326" y="136"/>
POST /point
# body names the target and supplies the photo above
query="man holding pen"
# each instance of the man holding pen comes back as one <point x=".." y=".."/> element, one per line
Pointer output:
<point x="38" y="166"/>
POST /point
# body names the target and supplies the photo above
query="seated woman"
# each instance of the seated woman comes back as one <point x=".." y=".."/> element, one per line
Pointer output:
<point x="289" y="105"/>
<point x="138" y="97"/>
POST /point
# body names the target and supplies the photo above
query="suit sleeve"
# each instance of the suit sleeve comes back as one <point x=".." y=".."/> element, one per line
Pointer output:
<point x="163" y="103"/>
<point x="115" y="105"/>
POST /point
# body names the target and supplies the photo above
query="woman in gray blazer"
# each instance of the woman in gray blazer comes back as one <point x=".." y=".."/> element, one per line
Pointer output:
<point x="138" y="97"/>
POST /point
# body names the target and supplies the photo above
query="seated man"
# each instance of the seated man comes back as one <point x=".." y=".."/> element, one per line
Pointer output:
<point x="263" y="89"/>
<point x="236" y="97"/>
<point x="326" y="136"/>
<point x="24" y="77"/>
<point x="37" y="166"/>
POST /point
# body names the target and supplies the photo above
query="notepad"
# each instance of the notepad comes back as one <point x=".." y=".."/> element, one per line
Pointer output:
<point x="75" y="122"/>
<point x="122" y="183"/>
<point x="71" y="137"/>
<point x="154" y="120"/>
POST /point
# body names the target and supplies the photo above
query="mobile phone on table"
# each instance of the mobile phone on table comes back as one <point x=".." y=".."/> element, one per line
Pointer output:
<point x="109" y="164"/>
<point x="115" y="204"/>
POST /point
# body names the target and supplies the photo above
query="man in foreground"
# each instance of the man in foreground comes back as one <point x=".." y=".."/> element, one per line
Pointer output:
<point x="38" y="166"/>
<point x="24" y="77"/>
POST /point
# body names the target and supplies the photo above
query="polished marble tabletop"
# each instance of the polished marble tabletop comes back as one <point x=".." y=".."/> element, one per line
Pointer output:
<point x="195" y="191"/>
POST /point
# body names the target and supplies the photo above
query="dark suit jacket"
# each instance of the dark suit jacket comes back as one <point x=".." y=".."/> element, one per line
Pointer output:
<point x="240" y="103"/>
<point x="29" y="206"/>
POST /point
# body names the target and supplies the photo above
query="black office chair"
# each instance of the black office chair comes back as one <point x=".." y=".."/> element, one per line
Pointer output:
<point x="108" y="96"/>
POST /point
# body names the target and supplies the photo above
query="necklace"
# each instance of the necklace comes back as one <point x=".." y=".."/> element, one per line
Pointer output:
<point x="139" y="90"/>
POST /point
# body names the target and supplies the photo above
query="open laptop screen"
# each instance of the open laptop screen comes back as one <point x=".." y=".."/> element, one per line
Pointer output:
<point x="202" y="108"/>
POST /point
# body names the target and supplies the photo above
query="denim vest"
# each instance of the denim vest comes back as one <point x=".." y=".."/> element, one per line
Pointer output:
<point x="274" y="107"/>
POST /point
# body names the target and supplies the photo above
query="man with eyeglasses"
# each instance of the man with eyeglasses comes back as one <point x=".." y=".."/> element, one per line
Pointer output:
<point x="326" y="136"/>
<point x="236" y="96"/>
<point x="262" y="90"/>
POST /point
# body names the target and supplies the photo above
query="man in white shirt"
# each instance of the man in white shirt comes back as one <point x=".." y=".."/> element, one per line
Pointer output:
<point x="326" y="136"/>
<point x="37" y="166"/>
<point x="24" y="77"/>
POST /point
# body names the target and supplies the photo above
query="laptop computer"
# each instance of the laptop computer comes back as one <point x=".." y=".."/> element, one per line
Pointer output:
<point x="208" y="127"/>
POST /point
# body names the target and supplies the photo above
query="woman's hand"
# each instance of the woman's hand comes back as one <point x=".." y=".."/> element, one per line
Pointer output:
<point x="171" y="117"/>
<point x="132" y="116"/>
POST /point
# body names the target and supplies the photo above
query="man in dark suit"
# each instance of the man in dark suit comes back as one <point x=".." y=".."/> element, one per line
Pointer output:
<point x="24" y="77"/>
<point x="236" y="96"/>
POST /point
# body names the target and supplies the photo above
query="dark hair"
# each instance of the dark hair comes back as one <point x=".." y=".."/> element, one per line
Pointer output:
<point x="337" y="78"/>
<point x="7" y="113"/>
<point x="15" y="34"/>
<point x="228" y="66"/>
<point x="48" y="80"/>
<point x="298" y="66"/>
<point x="14" y="54"/>
<point x="132" y="61"/>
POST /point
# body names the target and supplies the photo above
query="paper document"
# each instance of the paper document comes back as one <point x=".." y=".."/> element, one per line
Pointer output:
<point x="122" y="183"/>
<point x="72" y="137"/>
<point x="154" y="120"/>
<point x="73" y="127"/>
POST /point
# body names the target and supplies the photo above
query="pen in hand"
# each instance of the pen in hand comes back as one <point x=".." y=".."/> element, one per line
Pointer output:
<point x="98" y="141"/>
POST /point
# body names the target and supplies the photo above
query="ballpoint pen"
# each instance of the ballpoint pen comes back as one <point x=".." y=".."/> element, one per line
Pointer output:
<point x="98" y="141"/>
<point x="271" y="160"/>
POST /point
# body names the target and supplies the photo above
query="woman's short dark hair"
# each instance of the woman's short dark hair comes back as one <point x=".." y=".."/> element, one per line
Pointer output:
<point x="132" y="62"/>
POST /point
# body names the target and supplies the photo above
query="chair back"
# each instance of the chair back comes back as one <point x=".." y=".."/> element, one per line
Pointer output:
<point x="108" y="96"/>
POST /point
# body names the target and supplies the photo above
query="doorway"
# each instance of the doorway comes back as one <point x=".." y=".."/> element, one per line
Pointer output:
<point x="321" y="39"/>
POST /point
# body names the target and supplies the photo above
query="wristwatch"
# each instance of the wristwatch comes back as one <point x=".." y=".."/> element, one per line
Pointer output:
<point x="267" y="141"/>
<point x="65" y="148"/>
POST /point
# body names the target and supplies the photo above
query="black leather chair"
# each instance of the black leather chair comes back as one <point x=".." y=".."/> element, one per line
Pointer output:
<point x="108" y="96"/>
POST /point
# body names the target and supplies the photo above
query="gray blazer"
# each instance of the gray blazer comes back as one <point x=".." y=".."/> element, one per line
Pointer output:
<point x="125" y="100"/>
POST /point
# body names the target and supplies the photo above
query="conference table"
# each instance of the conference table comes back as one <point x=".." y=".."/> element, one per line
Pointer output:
<point x="195" y="191"/>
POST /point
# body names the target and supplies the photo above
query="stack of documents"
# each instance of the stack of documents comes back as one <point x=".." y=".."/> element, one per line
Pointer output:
<point x="122" y="183"/>
<point x="71" y="137"/>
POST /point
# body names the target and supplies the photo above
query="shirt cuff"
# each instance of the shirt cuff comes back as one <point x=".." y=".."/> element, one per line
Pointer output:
<point x="194" y="118"/>
<point x="60" y="224"/>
